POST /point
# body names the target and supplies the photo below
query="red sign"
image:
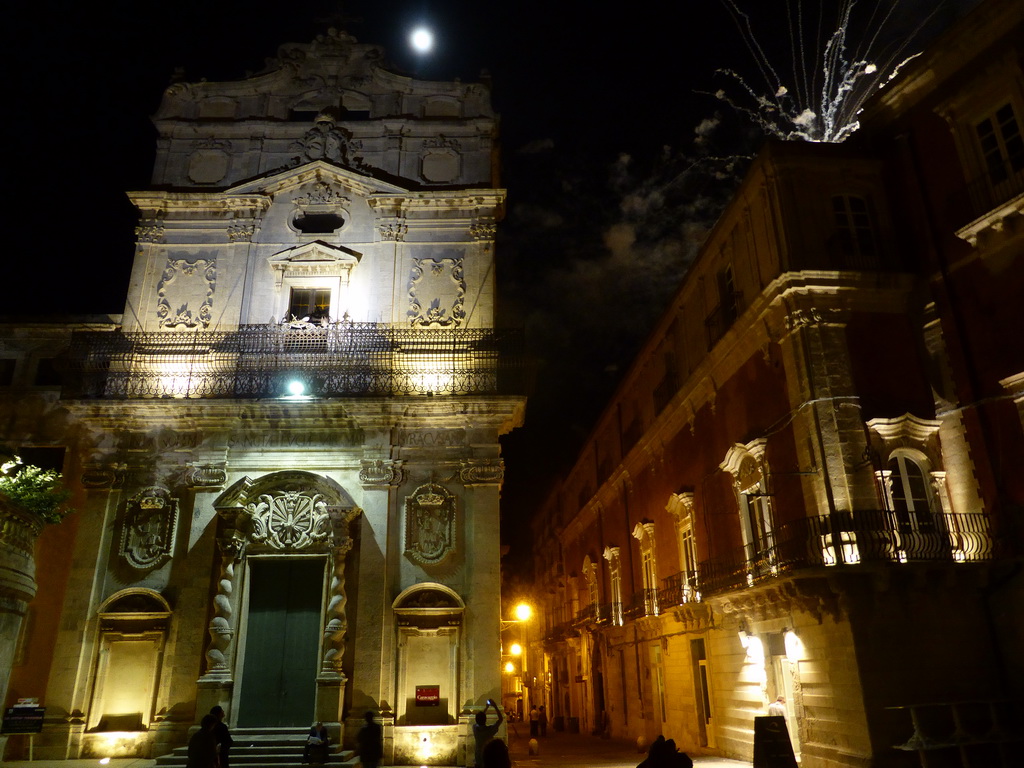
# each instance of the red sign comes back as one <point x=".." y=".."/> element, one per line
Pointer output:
<point x="428" y="695"/>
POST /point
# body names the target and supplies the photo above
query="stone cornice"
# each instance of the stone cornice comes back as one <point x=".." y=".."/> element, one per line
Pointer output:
<point x="336" y="414"/>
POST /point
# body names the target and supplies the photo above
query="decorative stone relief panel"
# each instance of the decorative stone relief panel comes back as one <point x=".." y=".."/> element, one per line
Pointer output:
<point x="437" y="293"/>
<point x="288" y="519"/>
<point x="482" y="472"/>
<point x="148" y="529"/>
<point x="381" y="473"/>
<point x="208" y="166"/>
<point x="429" y="524"/>
<point x="326" y="140"/>
<point x="205" y="476"/>
<point x="185" y="293"/>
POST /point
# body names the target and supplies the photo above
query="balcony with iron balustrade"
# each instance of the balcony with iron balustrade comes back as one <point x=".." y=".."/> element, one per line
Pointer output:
<point x="332" y="359"/>
<point x="853" y="539"/>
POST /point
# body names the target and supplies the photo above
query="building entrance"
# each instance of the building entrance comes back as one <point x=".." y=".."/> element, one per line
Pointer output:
<point x="281" y="642"/>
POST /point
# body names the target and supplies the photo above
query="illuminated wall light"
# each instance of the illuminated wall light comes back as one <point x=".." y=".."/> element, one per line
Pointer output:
<point x="510" y="667"/>
<point x="516" y="649"/>
<point x="425" y="749"/>
<point x="794" y="646"/>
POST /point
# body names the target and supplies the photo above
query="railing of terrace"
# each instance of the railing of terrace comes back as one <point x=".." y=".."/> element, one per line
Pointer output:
<point x="852" y="538"/>
<point x="349" y="359"/>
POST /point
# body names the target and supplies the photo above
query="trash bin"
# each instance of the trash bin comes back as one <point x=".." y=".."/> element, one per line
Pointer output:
<point x="574" y="725"/>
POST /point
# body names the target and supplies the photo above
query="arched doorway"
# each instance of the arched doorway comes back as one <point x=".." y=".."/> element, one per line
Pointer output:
<point x="284" y="541"/>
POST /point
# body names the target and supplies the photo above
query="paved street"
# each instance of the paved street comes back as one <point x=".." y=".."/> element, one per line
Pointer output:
<point x="570" y="750"/>
<point x="557" y="750"/>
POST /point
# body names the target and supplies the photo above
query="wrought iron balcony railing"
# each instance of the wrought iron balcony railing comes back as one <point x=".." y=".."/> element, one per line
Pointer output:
<point x="853" y="538"/>
<point x="679" y="588"/>
<point x="336" y="359"/>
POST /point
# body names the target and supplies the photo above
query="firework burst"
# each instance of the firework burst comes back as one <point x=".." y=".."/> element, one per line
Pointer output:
<point x="831" y="76"/>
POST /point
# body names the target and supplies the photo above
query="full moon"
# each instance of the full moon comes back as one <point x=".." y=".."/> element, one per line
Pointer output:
<point x="422" y="40"/>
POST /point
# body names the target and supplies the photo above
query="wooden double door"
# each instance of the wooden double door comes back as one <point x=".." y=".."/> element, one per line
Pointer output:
<point x="282" y="642"/>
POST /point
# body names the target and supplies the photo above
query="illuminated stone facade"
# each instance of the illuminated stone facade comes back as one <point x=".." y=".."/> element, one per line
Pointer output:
<point x="285" y="453"/>
<point x="809" y="484"/>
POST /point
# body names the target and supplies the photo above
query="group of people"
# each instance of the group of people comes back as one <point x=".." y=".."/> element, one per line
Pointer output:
<point x="538" y="722"/>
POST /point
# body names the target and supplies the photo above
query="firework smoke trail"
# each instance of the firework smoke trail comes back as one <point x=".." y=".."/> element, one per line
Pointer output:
<point x="829" y="85"/>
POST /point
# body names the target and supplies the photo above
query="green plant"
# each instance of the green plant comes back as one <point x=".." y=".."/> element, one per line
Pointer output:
<point x="35" y="490"/>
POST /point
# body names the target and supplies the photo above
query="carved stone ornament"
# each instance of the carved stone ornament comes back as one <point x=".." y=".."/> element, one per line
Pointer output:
<point x="429" y="524"/>
<point x="149" y="527"/>
<point x="103" y="476"/>
<point x="185" y="293"/>
<point x="289" y="519"/>
<point x="482" y="472"/>
<point x="205" y="476"/>
<point x="437" y="292"/>
<point x="393" y="230"/>
<point x="381" y="472"/>
<point x="485" y="229"/>
<point x="327" y="141"/>
<point x="149" y="233"/>
<point x="241" y="233"/>
<point x="324" y="194"/>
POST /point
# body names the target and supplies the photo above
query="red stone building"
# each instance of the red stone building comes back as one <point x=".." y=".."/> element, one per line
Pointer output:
<point x="810" y="482"/>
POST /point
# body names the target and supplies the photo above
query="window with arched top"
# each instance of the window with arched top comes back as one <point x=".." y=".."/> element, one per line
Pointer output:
<point x="749" y="473"/>
<point x="590" y="577"/>
<point x="644" y="533"/>
<point x="611" y="554"/>
<point x="909" y="492"/>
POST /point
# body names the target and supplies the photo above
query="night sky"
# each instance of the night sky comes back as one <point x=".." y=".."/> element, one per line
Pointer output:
<point x="615" y="155"/>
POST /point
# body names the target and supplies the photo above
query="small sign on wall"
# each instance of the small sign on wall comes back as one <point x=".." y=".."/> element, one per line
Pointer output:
<point x="428" y="695"/>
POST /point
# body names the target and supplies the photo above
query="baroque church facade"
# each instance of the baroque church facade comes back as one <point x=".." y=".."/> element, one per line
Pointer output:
<point x="809" y="484"/>
<point x="284" y="454"/>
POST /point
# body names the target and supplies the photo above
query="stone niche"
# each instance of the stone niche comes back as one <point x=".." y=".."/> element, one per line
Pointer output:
<point x="429" y="618"/>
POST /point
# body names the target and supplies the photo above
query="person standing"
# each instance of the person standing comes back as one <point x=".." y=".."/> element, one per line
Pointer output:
<point x="534" y="721"/>
<point x="483" y="733"/>
<point x="370" y="742"/>
<point x="222" y="736"/>
<point x="202" y="747"/>
<point x="542" y="721"/>
<point x="778" y="707"/>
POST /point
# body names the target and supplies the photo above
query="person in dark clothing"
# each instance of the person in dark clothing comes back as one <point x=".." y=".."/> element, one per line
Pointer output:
<point x="483" y="733"/>
<point x="222" y="737"/>
<point x="202" y="747"/>
<point x="496" y="755"/>
<point x="542" y="721"/>
<point x="316" y="744"/>
<point x="370" y="742"/>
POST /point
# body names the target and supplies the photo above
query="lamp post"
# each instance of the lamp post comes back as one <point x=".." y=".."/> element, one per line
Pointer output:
<point x="519" y="649"/>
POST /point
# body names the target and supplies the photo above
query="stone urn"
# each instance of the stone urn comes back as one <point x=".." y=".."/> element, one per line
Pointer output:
<point x="19" y="530"/>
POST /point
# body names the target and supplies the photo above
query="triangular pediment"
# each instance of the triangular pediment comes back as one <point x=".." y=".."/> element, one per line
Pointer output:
<point x="316" y="171"/>
<point x="316" y="253"/>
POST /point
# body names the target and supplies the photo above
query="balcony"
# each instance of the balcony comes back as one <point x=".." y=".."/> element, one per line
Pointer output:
<point x="850" y="539"/>
<point x="679" y="589"/>
<point x="258" y="361"/>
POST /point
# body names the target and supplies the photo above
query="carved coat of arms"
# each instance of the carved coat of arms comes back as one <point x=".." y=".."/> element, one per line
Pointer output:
<point x="429" y="524"/>
<point x="147" y="534"/>
<point x="289" y="519"/>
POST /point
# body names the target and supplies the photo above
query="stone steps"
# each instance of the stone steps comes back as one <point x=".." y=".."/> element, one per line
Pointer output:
<point x="277" y="747"/>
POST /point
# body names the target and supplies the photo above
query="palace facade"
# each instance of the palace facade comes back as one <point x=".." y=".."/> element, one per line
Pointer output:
<point x="811" y="481"/>
<point x="284" y="454"/>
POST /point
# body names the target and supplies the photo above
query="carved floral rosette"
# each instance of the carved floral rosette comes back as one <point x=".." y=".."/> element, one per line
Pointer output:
<point x="429" y="524"/>
<point x="149" y="528"/>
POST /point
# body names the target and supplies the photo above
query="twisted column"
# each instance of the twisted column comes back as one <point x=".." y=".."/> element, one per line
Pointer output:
<point x="337" y="620"/>
<point x="222" y="628"/>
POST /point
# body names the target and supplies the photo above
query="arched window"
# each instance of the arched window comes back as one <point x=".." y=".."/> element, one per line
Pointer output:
<point x="749" y="472"/>
<point x="644" y="533"/>
<point x="911" y="496"/>
<point x="611" y="554"/>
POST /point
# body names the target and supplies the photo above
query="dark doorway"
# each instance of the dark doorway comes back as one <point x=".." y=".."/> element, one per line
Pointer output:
<point x="281" y="642"/>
